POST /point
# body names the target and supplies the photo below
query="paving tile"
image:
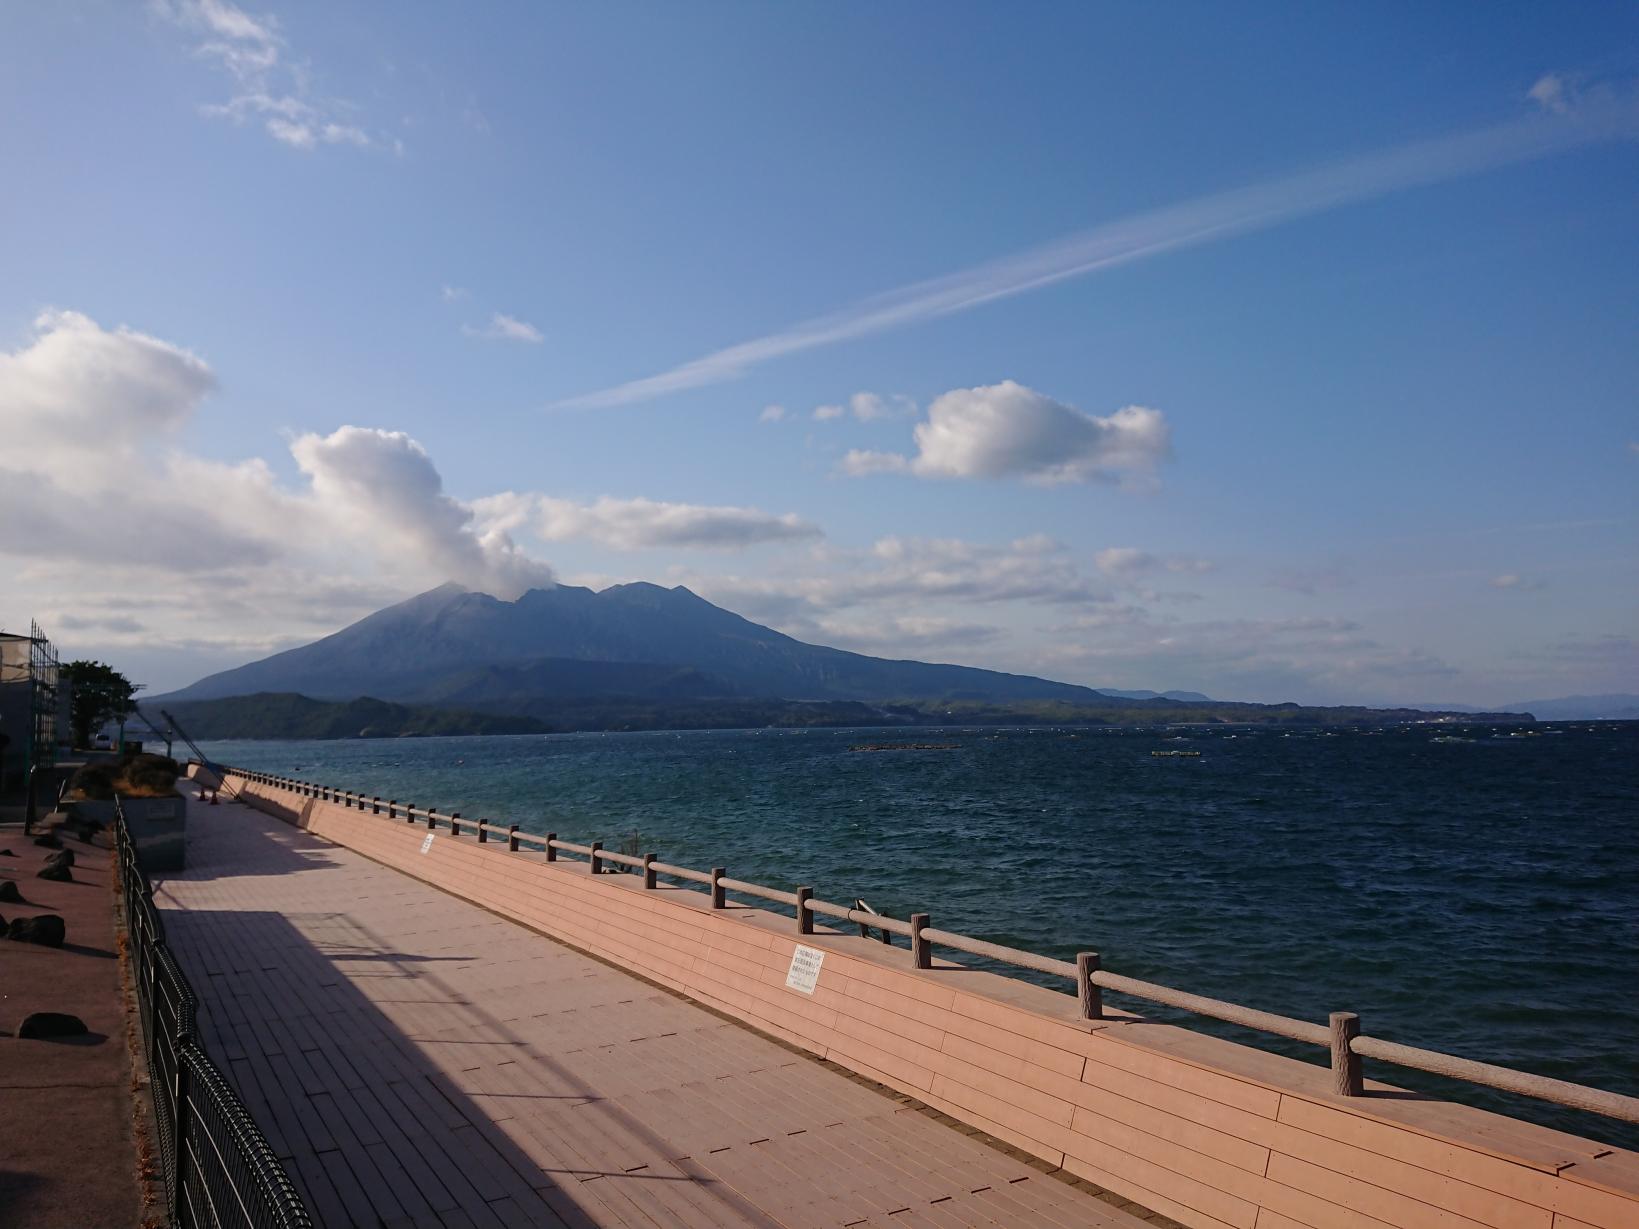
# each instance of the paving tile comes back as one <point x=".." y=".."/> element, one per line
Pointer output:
<point x="421" y="1062"/>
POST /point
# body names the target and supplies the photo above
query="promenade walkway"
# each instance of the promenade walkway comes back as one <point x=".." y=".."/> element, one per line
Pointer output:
<point x="418" y="1061"/>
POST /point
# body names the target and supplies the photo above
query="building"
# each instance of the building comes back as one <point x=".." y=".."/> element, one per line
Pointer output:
<point x="34" y="706"/>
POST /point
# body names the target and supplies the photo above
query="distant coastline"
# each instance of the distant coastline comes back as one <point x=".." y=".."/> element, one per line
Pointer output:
<point x="287" y="715"/>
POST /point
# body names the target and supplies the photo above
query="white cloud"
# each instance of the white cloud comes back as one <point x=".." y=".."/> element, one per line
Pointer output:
<point x="642" y="524"/>
<point x="1128" y="562"/>
<point x="1125" y="561"/>
<point x="1549" y="93"/>
<point x="1201" y="220"/>
<point x="251" y="51"/>
<point x="502" y="327"/>
<point x="1513" y="580"/>
<point x="1009" y="431"/>
<point x="372" y="500"/>
<point x="900" y="571"/>
<point x="903" y="635"/>
<point x="382" y="486"/>
<point x="862" y="462"/>
<point x="454" y="294"/>
<point x="76" y="381"/>
<point x="772" y="413"/>
<point x="1316" y="659"/>
<point x="868" y="407"/>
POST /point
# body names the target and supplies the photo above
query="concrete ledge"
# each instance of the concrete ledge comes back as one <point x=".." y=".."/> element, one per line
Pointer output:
<point x="1205" y="1131"/>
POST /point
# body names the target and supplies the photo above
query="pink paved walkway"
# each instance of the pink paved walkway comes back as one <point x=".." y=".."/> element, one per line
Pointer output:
<point x="417" y="1061"/>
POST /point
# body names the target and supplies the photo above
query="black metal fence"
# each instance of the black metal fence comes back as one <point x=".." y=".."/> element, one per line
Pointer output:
<point x="220" y="1172"/>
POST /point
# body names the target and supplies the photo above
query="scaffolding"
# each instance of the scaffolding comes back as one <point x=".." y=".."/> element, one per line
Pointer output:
<point x="30" y="709"/>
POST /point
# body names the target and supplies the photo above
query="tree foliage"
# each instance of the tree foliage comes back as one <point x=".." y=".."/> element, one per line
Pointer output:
<point x="101" y="693"/>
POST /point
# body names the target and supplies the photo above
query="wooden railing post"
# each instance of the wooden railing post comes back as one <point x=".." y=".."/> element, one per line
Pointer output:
<point x="512" y="838"/>
<point x="719" y="898"/>
<point x="1091" y="993"/>
<point x="551" y="854"/>
<point x="1347" y="1080"/>
<point x="455" y="823"/>
<point x="392" y="808"/>
<point x="375" y="804"/>
<point x="432" y="818"/>
<point x="648" y="870"/>
<point x="921" y="949"/>
<point x="597" y="858"/>
<point x="805" y="915"/>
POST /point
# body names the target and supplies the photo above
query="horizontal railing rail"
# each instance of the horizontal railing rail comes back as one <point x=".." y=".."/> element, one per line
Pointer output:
<point x="218" y="1168"/>
<point x="1341" y="1034"/>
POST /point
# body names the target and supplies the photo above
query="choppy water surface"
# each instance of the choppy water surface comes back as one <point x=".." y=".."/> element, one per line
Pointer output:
<point x="1462" y="890"/>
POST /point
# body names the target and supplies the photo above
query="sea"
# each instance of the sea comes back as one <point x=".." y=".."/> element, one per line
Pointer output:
<point x="1464" y="888"/>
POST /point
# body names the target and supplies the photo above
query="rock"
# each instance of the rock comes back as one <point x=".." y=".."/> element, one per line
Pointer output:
<point x="63" y="857"/>
<point x="47" y="1024"/>
<point x="57" y="873"/>
<point x="47" y="930"/>
<point x="48" y="841"/>
<point x="8" y="891"/>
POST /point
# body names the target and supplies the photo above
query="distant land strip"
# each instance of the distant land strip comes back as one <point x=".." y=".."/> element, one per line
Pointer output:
<point x="287" y="715"/>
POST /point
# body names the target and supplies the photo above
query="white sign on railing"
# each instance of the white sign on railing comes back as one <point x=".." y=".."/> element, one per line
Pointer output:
<point x="805" y="969"/>
<point x="428" y="843"/>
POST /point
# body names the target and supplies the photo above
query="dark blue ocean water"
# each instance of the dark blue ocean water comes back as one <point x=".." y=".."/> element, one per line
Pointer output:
<point x="1463" y="890"/>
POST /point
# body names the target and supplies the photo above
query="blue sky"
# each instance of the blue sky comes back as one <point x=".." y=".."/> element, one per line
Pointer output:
<point x="1282" y="355"/>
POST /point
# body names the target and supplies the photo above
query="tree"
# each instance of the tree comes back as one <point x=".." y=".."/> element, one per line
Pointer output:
<point x="101" y="693"/>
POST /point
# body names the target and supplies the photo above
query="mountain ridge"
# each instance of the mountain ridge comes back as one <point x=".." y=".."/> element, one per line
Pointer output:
<point x="436" y="646"/>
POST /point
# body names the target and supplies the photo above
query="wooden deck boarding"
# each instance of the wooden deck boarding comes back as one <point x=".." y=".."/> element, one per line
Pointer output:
<point x="417" y="1060"/>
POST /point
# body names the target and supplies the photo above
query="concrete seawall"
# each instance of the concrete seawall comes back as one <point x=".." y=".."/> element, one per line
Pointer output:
<point x="1203" y="1130"/>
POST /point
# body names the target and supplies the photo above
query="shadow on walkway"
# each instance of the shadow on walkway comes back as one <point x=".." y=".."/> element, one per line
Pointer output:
<point x="371" y="1128"/>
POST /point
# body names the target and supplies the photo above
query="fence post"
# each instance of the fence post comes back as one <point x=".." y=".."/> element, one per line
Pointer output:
<point x="512" y="838"/>
<point x="597" y="859"/>
<point x="1092" y="994"/>
<point x="483" y="833"/>
<point x="551" y="854"/>
<point x="1346" y="1076"/>
<point x="432" y="818"/>
<point x="179" y="1127"/>
<point x="648" y="870"/>
<point x="375" y="804"/>
<point x="805" y="915"/>
<point x="718" y="898"/>
<point x="455" y="823"/>
<point x="921" y="949"/>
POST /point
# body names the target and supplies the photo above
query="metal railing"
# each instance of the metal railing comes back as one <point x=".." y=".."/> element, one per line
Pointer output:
<point x="1341" y="1035"/>
<point x="219" y="1170"/>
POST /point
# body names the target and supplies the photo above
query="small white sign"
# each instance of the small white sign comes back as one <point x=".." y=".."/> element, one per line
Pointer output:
<point x="805" y="969"/>
<point x="428" y="843"/>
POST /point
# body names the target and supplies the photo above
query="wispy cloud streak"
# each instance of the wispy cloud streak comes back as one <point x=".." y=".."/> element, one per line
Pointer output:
<point x="1204" y="219"/>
